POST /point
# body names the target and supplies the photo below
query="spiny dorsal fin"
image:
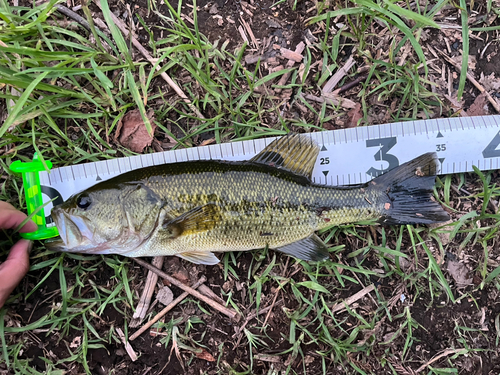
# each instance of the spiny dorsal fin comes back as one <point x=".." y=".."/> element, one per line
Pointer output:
<point x="198" y="219"/>
<point x="294" y="152"/>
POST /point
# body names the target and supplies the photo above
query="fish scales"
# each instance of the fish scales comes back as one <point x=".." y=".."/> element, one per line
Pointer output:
<point x="258" y="205"/>
<point x="197" y="208"/>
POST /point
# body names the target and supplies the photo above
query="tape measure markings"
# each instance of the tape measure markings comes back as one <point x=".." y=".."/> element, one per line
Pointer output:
<point x="347" y="156"/>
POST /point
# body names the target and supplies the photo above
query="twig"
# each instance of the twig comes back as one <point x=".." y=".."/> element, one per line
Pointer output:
<point x="128" y="347"/>
<point x="351" y="84"/>
<point x="474" y="82"/>
<point x="250" y="32"/>
<point x="341" y="73"/>
<point x="152" y="61"/>
<point x="353" y="298"/>
<point x="243" y="35"/>
<point x="284" y="78"/>
<point x="69" y="13"/>
<point x="169" y="307"/>
<point x="228" y="312"/>
<point x="147" y="293"/>
<point x="206" y="291"/>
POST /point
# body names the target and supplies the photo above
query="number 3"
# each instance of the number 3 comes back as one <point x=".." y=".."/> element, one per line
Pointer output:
<point x="385" y="144"/>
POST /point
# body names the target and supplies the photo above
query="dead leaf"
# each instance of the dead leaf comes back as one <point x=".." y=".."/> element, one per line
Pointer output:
<point x="459" y="272"/>
<point x="132" y="133"/>
<point x="490" y="83"/>
<point x="207" y="142"/>
<point x="354" y="115"/>
<point x="181" y="274"/>
<point x="479" y="107"/>
<point x="205" y="355"/>
<point x="165" y="295"/>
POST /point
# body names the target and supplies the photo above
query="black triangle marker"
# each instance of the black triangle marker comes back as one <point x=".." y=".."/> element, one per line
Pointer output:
<point x="440" y="135"/>
<point x="323" y="148"/>
<point x="98" y="178"/>
<point x="325" y="172"/>
<point x="441" y="160"/>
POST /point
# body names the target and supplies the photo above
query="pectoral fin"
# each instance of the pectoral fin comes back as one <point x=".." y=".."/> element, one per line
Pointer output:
<point x="198" y="219"/>
<point x="200" y="257"/>
<point x="310" y="248"/>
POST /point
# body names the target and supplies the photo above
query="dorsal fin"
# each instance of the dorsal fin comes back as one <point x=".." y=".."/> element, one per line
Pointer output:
<point x="294" y="152"/>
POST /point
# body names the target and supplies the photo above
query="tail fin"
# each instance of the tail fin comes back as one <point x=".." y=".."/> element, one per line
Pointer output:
<point x="407" y="191"/>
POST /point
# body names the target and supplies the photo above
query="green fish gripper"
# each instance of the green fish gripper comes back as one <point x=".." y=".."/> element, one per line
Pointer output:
<point x="33" y="194"/>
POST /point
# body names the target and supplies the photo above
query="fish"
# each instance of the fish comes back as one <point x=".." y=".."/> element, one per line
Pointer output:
<point x="194" y="209"/>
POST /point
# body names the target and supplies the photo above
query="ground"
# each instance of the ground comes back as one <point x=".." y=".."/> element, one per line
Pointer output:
<point x="430" y="295"/>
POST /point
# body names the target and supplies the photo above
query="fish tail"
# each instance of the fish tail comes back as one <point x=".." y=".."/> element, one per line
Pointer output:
<point x="406" y="193"/>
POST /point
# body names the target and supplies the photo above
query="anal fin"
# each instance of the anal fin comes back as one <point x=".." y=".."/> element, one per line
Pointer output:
<point x="200" y="257"/>
<point x="310" y="248"/>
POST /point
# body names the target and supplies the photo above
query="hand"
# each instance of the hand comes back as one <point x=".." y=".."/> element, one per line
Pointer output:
<point x="17" y="263"/>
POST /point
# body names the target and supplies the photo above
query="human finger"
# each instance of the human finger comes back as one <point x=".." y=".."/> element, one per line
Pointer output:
<point x="10" y="218"/>
<point x="14" y="268"/>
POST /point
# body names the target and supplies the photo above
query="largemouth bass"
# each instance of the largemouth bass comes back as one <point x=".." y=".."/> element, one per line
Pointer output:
<point x="193" y="209"/>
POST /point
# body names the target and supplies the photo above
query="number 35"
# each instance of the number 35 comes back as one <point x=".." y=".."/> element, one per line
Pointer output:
<point x="441" y="147"/>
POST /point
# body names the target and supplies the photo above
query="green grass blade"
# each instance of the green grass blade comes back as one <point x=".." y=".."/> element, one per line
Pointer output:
<point x="465" y="48"/>
<point x="134" y="90"/>
<point x="116" y="33"/>
<point x="20" y="103"/>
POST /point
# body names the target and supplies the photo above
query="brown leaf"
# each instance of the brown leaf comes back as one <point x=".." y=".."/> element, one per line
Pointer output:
<point x="205" y="355"/>
<point x="490" y="83"/>
<point x="131" y="131"/>
<point x="354" y="115"/>
<point x="207" y="142"/>
<point x="479" y="107"/>
<point x="459" y="272"/>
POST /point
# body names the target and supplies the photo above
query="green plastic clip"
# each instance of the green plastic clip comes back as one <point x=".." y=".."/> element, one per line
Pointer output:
<point x="33" y="194"/>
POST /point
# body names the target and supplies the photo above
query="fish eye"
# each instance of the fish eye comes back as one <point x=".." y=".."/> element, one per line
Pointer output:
<point x="83" y="201"/>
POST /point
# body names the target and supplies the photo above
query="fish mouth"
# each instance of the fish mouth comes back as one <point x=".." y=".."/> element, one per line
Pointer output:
<point x="73" y="230"/>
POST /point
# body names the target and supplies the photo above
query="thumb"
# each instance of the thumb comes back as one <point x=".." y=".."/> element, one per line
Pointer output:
<point x="14" y="268"/>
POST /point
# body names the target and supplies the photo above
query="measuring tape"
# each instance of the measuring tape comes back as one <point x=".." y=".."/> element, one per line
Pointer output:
<point x="347" y="156"/>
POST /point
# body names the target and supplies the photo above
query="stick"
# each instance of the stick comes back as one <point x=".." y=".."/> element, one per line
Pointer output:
<point x="69" y="13"/>
<point x="152" y="61"/>
<point x="284" y="78"/>
<point x="147" y="293"/>
<point x="353" y="298"/>
<point x="128" y="347"/>
<point x="169" y="307"/>
<point x="250" y="32"/>
<point x="332" y="82"/>
<point x="228" y="312"/>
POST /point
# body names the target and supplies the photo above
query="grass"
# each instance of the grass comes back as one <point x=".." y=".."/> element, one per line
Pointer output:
<point x="64" y="95"/>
